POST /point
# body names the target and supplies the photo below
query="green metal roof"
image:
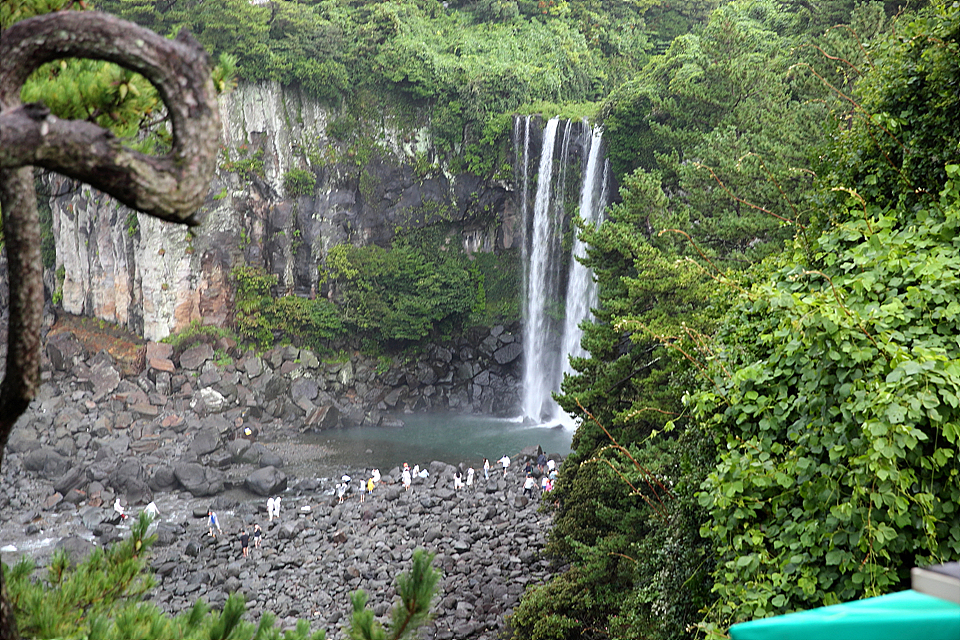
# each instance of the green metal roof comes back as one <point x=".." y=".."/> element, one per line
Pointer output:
<point x="906" y="615"/>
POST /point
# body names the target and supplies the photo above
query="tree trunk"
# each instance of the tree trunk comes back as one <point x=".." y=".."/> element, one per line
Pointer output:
<point x="170" y="187"/>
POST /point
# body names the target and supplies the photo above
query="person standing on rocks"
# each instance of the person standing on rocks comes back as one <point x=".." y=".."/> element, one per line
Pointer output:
<point x="371" y="483"/>
<point x="528" y="486"/>
<point x="541" y="461"/>
<point x="213" y="522"/>
<point x="119" y="508"/>
<point x="276" y="507"/>
<point x="505" y="463"/>
<point x="244" y="541"/>
<point x="470" y="473"/>
<point x="341" y="492"/>
<point x="458" y="481"/>
<point x="486" y="469"/>
<point x="270" y="509"/>
<point x="257" y="535"/>
<point x="375" y="476"/>
<point x="405" y="476"/>
<point x="363" y="490"/>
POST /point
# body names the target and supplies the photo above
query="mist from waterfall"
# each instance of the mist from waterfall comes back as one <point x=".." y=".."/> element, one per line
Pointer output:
<point x="556" y="298"/>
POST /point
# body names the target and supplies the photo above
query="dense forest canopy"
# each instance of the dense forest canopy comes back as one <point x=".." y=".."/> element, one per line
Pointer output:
<point x="760" y="354"/>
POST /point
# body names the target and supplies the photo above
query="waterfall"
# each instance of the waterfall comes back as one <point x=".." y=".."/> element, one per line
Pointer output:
<point x="539" y="361"/>
<point x="549" y="288"/>
<point x="581" y="288"/>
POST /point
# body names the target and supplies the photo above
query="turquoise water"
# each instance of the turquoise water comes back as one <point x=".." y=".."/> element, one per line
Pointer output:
<point x="451" y="438"/>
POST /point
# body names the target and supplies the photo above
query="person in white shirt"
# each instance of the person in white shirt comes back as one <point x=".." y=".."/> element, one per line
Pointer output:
<point x="505" y="463"/>
<point x="528" y="486"/>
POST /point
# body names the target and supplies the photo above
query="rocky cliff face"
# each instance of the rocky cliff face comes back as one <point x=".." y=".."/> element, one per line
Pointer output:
<point x="155" y="278"/>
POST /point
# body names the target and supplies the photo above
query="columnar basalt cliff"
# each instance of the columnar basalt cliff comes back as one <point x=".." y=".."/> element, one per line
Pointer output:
<point x="155" y="278"/>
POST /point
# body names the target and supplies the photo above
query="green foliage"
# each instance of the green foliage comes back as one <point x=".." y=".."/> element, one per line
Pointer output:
<point x="60" y="275"/>
<point x="416" y="590"/>
<point x="710" y="189"/>
<point x="133" y="224"/>
<point x="196" y="333"/>
<point x="247" y="167"/>
<point x="253" y="295"/>
<point x="465" y="65"/>
<point x="263" y="319"/>
<point x="398" y="295"/>
<point x="70" y="595"/>
<point x="901" y="132"/>
<point x="48" y="246"/>
<point x="839" y="396"/>
<point x="298" y="182"/>
<point x="101" y="598"/>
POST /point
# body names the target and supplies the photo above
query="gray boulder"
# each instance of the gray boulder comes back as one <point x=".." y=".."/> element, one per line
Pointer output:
<point x="77" y="548"/>
<point x="206" y="441"/>
<point x="199" y="480"/>
<point x="267" y="481"/>
<point x="47" y="462"/>
<point x="194" y="357"/>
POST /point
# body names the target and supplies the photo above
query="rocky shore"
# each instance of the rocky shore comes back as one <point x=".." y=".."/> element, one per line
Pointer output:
<point x="102" y="431"/>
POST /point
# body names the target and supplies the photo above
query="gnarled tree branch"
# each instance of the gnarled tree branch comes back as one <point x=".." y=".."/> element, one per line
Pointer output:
<point x="171" y="187"/>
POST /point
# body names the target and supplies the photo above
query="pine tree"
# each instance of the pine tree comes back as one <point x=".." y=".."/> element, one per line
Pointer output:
<point x="101" y="598"/>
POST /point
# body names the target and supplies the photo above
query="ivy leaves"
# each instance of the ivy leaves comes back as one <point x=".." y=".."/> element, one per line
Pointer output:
<point x="838" y="428"/>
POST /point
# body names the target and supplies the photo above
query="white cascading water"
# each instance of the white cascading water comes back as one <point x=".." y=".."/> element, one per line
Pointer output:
<point x="539" y="361"/>
<point x="548" y="341"/>
<point x="581" y="287"/>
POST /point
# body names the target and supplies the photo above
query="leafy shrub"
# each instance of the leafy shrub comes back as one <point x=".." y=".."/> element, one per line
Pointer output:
<point x="398" y="295"/>
<point x="299" y="182"/>
<point x="253" y="287"/>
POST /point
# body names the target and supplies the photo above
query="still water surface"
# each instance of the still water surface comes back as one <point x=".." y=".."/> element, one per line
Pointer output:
<point x="451" y="438"/>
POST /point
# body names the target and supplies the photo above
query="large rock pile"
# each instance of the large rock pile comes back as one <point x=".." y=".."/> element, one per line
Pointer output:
<point x="173" y="429"/>
<point x="487" y="539"/>
<point x="477" y="373"/>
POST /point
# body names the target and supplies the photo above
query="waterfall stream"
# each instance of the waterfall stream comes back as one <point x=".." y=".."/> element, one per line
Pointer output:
<point x="558" y="291"/>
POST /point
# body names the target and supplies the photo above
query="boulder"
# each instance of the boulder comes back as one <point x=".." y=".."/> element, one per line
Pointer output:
<point x="205" y="441"/>
<point x="508" y="353"/>
<point x="76" y="548"/>
<point x="267" y="481"/>
<point x="105" y="378"/>
<point x="163" y="478"/>
<point x="194" y="357"/>
<point x="22" y="441"/>
<point x="199" y="480"/>
<point x="320" y="418"/>
<point x="47" y="462"/>
<point x="304" y="389"/>
<point x="64" y="351"/>
<point x="211" y="399"/>
<point x="72" y="479"/>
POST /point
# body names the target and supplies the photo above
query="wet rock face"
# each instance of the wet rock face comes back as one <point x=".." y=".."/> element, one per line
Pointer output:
<point x="155" y="278"/>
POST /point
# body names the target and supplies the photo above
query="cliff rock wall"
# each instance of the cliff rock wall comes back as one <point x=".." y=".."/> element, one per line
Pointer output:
<point x="155" y="278"/>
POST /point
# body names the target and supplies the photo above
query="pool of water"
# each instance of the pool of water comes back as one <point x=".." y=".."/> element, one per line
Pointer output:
<point x="451" y="438"/>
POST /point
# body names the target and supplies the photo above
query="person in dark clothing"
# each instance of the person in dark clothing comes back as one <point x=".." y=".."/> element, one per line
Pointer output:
<point x="244" y="541"/>
<point x="257" y="536"/>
